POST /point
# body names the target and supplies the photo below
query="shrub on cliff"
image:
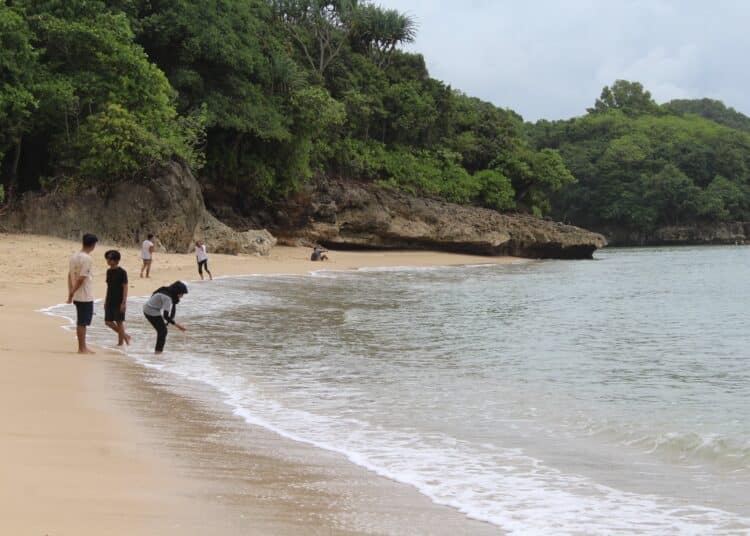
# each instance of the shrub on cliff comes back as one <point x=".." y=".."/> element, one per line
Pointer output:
<point x="116" y="144"/>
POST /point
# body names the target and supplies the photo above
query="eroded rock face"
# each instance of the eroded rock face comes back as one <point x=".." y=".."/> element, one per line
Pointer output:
<point x="698" y="234"/>
<point x="348" y="215"/>
<point x="170" y="206"/>
<point x="221" y="238"/>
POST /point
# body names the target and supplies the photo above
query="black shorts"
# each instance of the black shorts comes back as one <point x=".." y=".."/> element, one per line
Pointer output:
<point x="112" y="313"/>
<point x="84" y="312"/>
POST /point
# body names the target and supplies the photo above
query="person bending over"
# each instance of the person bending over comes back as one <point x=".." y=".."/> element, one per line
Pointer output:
<point x="160" y="310"/>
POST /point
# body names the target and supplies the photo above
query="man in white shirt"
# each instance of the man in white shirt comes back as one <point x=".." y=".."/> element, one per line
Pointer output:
<point x="147" y="254"/>
<point x="81" y="289"/>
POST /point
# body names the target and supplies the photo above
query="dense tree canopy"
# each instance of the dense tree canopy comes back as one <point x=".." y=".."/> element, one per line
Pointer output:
<point x="257" y="96"/>
<point x="711" y="109"/>
<point x="640" y="166"/>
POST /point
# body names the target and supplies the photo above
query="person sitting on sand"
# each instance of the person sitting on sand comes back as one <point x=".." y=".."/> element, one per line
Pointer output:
<point x="319" y="254"/>
<point x="147" y="254"/>
<point x="160" y="310"/>
<point x="81" y="289"/>
<point x="116" y="300"/>
<point x="202" y="256"/>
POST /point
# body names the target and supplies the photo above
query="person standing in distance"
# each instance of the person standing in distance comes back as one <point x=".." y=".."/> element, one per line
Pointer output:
<point x="147" y="254"/>
<point x="81" y="289"/>
<point x="202" y="257"/>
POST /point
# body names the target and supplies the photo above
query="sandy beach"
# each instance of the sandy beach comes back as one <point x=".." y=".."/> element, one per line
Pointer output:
<point x="93" y="444"/>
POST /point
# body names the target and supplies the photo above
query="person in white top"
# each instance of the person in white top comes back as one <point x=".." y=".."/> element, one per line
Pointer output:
<point x="202" y="256"/>
<point x="81" y="289"/>
<point x="147" y="254"/>
<point x="161" y="308"/>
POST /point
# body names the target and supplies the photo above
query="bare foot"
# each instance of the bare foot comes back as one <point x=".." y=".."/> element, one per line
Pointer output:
<point x="128" y="338"/>
<point x="86" y="351"/>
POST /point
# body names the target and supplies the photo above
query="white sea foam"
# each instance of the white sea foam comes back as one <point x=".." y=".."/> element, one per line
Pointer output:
<point x="497" y="485"/>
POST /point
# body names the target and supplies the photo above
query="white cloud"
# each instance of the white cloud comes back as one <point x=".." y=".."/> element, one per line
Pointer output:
<point x="550" y="59"/>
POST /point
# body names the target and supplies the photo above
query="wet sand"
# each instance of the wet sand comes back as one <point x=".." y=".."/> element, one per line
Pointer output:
<point x="99" y="445"/>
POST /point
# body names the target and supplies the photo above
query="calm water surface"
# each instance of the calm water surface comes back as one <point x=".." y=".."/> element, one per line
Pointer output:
<point x="606" y="396"/>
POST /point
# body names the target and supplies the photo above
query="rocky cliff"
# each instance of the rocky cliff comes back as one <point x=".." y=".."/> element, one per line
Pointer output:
<point x="335" y="213"/>
<point x="698" y="234"/>
<point x="341" y="214"/>
<point x="170" y="206"/>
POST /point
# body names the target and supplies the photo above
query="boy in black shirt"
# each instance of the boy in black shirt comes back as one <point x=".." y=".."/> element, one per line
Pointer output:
<point x="117" y="297"/>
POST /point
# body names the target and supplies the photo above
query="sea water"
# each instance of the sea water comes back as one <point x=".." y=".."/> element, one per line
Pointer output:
<point x="604" y="396"/>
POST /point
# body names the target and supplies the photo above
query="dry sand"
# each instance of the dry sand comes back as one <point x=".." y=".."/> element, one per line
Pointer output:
<point x="93" y="445"/>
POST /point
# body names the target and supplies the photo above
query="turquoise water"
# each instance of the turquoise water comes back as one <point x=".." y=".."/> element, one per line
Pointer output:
<point x="605" y="396"/>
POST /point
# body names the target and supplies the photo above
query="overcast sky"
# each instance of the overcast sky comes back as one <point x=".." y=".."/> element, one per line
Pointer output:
<point x="551" y="58"/>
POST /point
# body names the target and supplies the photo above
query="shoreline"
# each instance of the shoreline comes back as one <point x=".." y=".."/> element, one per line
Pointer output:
<point x="82" y="454"/>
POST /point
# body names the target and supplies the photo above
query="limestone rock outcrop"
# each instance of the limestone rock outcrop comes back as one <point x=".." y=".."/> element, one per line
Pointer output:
<point x="221" y="238"/>
<point x="696" y="234"/>
<point x="170" y="206"/>
<point x="342" y="214"/>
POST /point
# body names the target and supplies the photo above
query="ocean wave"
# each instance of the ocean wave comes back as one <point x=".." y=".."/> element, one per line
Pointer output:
<point x="502" y="486"/>
<point x="694" y="447"/>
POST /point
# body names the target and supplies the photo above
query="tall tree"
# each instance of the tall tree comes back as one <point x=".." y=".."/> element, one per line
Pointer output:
<point x="377" y="31"/>
<point x="630" y="97"/>
<point x="320" y="28"/>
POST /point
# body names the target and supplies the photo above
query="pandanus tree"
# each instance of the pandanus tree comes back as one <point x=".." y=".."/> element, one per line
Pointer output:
<point x="377" y="31"/>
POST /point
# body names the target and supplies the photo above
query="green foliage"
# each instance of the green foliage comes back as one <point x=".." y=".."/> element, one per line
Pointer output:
<point x="19" y="87"/>
<point x="711" y="109"/>
<point x="113" y="145"/>
<point x="259" y="95"/>
<point x="410" y="111"/>
<point x="638" y="170"/>
<point x="534" y="176"/>
<point x="377" y="32"/>
<point x="319" y="28"/>
<point x="495" y="190"/>
<point x="101" y="110"/>
<point x="18" y="63"/>
<point x="671" y="194"/>
<point x="630" y="97"/>
<point x="315" y="110"/>
<point x="213" y="53"/>
<point x="724" y="200"/>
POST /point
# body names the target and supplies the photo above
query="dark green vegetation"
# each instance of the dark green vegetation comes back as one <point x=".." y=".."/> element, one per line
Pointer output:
<point x="640" y="165"/>
<point x="257" y="96"/>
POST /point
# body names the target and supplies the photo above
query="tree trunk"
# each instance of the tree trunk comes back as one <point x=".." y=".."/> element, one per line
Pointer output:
<point x="13" y="181"/>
